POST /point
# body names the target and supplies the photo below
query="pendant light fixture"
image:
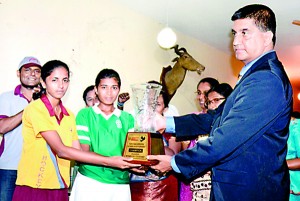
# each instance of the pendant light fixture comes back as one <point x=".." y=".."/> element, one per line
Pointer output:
<point x="167" y="38"/>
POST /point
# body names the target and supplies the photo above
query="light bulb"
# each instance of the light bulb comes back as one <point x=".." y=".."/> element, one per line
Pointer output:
<point x="166" y="38"/>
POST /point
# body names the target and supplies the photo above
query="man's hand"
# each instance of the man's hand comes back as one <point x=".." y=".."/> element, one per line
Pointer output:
<point x="164" y="163"/>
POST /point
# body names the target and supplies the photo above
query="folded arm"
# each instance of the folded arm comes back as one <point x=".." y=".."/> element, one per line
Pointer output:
<point x="9" y="123"/>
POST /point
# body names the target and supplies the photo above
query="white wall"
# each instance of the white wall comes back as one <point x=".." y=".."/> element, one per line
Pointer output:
<point x="90" y="35"/>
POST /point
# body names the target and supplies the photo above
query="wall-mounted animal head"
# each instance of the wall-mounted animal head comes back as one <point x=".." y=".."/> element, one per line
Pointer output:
<point x="172" y="77"/>
<point x="186" y="61"/>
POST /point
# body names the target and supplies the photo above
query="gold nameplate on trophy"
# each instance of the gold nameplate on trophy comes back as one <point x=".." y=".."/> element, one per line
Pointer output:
<point x="140" y="144"/>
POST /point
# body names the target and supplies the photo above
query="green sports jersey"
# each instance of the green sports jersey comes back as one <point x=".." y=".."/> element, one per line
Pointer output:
<point x="106" y="136"/>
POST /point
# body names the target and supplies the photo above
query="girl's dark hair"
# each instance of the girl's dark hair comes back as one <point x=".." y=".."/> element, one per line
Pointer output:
<point x="48" y="68"/>
<point x="224" y="89"/>
<point x="211" y="81"/>
<point x="86" y="91"/>
<point x="46" y="71"/>
<point x="165" y="97"/>
<point x="107" y="73"/>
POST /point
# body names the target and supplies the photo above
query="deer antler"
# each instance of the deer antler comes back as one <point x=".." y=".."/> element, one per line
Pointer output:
<point x="179" y="51"/>
<point x="183" y="50"/>
<point x="175" y="47"/>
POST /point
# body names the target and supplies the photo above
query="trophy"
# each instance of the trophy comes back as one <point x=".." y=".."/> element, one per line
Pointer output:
<point x="144" y="140"/>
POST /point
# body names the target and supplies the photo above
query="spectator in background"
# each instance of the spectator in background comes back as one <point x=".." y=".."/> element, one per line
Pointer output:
<point x="201" y="186"/>
<point x="89" y="96"/>
<point x="293" y="156"/>
<point x="11" y="110"/>
<point x="217" y="95"/>
<point x="204" y="85"/>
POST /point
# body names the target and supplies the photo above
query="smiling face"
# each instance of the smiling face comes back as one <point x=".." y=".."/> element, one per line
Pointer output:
<point x="107" y="91"/>
<point x="57" y="83"/>
<point x="29" y="77"/>
<point x="202" y="89"/>
<point x="249" y="42"/>
<point x="214" y="99"/>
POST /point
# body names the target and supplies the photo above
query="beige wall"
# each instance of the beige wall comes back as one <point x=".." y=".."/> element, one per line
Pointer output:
<point x="93" y="34"/>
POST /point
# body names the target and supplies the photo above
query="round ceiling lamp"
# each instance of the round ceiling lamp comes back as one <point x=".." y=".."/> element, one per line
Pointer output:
<point x="166" y="38"/>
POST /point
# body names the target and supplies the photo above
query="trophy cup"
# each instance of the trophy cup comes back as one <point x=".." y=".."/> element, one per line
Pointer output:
<point x="144" y="140"/>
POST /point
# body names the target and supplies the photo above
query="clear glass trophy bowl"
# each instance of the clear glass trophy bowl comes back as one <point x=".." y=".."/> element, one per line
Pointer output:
<point x="144" y="140"/>
<point x="144" y="97"/>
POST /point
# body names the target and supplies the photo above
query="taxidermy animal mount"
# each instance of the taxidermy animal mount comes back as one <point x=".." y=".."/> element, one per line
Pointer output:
<point x="172" y="77"/>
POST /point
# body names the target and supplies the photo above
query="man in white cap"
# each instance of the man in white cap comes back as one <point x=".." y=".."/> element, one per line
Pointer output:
<point x="11" y="110"/>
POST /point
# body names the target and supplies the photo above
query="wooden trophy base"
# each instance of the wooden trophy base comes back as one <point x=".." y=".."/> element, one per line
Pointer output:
<point x="139" y="145"/>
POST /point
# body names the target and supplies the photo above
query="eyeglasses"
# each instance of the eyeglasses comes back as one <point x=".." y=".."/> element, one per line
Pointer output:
<point x="208" y="102"/>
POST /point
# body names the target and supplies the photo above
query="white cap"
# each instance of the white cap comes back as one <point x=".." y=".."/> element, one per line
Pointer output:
<point x="29" y="62"/>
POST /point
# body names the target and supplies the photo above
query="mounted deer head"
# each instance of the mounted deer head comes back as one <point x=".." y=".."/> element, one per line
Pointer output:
<point x="172" y="78"/>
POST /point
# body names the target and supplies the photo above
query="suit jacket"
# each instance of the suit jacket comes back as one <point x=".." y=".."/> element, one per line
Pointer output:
<point x="204" y="123"/>
<point x="248" y="141"/>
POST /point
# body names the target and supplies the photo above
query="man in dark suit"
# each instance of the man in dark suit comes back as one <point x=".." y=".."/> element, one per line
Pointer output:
<point x="247" y="145"/>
